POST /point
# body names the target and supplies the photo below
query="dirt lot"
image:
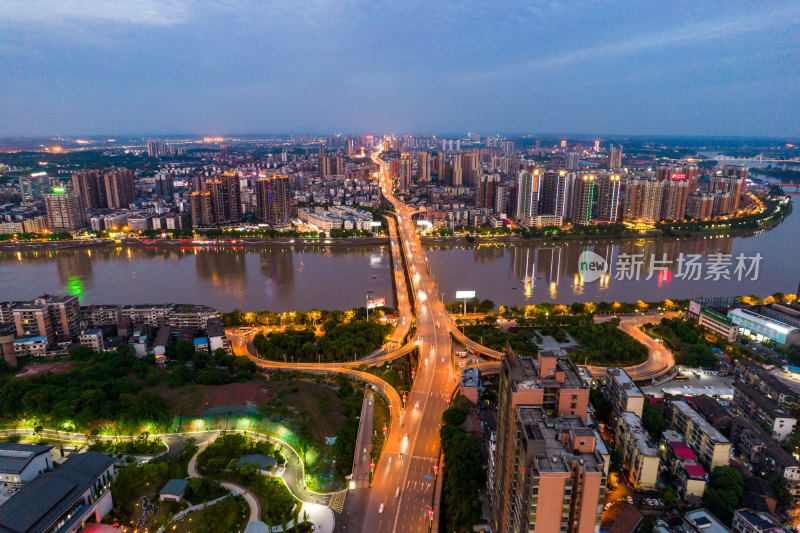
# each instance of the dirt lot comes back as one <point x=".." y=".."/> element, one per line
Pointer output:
<point x="35" y="369"/>
<point x="316" y="404"/>
<point x="191" y="400"/>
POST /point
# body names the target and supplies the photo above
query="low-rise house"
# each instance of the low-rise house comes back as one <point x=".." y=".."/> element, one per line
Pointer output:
<point x="173" y="491"/>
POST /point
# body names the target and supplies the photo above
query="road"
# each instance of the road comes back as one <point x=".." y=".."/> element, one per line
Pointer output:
<point x="403" y="482"/>
<point x="660" y="360"/>
<point x="361" y="461"/>
<point x="252" y="501"/>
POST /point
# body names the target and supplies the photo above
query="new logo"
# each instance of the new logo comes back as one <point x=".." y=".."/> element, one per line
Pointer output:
<point x="591" y="266"/>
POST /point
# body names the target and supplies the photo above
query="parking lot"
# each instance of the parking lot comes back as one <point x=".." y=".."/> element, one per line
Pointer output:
<point x="712" y="385"/>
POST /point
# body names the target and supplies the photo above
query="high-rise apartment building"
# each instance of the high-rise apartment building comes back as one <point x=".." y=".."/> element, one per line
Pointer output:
<point x="423" y="167"/>
<point x="487" y="186"/>
<point x="547" y="475"/>
<point x="152" y="148"/>
<point x="673" y="203"/>
<point x="614" y="157"/>
<point x="165" y="185"/>
<point x="52" y="317"/>
<point x="64" y="210"/>
<point x="643" y="200"/>
<point x="527" y="204"/>
<point x="324" y="163"/>
<point x="583" y="197"/>
<point x="573" y="158"/>
<point x="608" y="197"/>
<point x="272" y="200"/>
<point x="321" y="150"/>
<point x="119" y="187"/>
<point x="700" y="206"/>
<point x="404" y="172"/>
<point x="458" y="172"/>
<point x="91" y="187"/>
<point x="200" y="209"/>
<point x="469" y="168"/>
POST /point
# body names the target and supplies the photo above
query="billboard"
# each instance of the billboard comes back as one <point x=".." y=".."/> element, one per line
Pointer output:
<point x="462" y="295"/>
<point x="694" y="307"/>
<point x="377" y="302"/>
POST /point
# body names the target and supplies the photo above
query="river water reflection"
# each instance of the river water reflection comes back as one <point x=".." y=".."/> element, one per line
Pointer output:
<point x="283" y="279"/>
<point x="278" y="279"/>
<point x="535" y="273"/>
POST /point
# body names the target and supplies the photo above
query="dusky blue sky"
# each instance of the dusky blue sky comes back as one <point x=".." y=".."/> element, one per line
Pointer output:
<point x="409" y="66"/>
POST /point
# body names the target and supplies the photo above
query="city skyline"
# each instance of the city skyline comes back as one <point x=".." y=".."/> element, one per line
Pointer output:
<point x="90" y="68"/>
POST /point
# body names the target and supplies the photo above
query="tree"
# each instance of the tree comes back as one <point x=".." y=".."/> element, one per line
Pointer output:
<point x="724" y="492"/>
<point x="652" y="421"/>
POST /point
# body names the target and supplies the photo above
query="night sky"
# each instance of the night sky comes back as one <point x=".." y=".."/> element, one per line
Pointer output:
<point x="326" y="66"/>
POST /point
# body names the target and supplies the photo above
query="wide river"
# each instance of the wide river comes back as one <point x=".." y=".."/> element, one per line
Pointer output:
<point x="282" y="279"/>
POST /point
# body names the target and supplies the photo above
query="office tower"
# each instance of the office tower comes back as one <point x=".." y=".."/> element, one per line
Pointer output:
<point x="34" y="187"/>
<point x="405" y="172"/>
<point x="423" y="167"/>
<point x="608" y="197"/>
<point x="614" y="157"/>
<point x="583" y="199"/>
<point x="90" y="186"/>
<point x="458" y="175"/>
<point x="485" y="195"/>
<point x="673" y="203"/>
<point x="272" y="200"/>
<point x="119" y="188"/>
<point x="165" y="186"/>
<point x="596" y="145"/>
<point x="152" y="148"/>
<point x="527" y="201"/>
<point x="545" y="474"/>
<point x="572" y="160"/>
<point x="64" y="210"/>
<point x="324" y="166"/>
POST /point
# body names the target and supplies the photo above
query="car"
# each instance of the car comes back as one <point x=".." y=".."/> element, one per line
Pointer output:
<point x="416" y="405"/>
<point x="402" y="456"/>
<point x="397" y="493"/>
<point x="380" y="509"/>
<point x="609" y="504"/>
<point x="630" y="499"/>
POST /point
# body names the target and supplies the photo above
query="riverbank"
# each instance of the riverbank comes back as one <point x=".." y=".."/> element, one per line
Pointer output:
<point x="200" y="244"/>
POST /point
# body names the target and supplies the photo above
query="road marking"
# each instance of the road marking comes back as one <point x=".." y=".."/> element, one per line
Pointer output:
<point x="337" y="501"/>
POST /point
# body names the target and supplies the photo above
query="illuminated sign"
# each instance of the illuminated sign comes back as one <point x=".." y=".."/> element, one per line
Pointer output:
<point x="377" y="302"/>
<point x="678" y="177"/>
<point x="465" y="294"/>
<point x="59" y="190"/>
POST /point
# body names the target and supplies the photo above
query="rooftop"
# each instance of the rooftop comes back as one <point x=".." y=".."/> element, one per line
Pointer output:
<point x="45" y="499"/>
<point x="15" y="457"/>
<point x="636" y="430"/>
<point x="624" y="381"/>
<point x="470" y="377"/>
<point x="761" y="320"/>
<point x="699" y="421"/>
<point x="174" y="487"/>
<point x="705" y="522"/>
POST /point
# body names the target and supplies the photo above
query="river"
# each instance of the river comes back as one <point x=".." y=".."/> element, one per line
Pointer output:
<point x="282" y="279"/>
<point x="269" y="278"/>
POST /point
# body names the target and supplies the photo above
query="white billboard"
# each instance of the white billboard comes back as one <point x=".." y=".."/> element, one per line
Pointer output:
<point x="463" y="295"/>
<point x="377" y="302"/>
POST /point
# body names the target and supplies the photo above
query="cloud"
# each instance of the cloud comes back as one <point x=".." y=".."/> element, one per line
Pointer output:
<point x="143" y="12"/>
<point x="679" y="36"/>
